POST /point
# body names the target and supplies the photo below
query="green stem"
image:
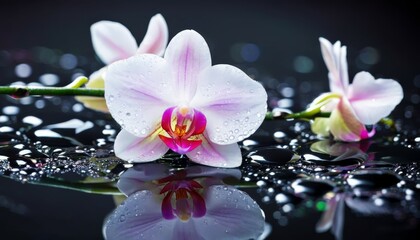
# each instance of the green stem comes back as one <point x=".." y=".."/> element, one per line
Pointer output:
<point x="304" y="115"/>
<point x="23" y="91"/>
<point x="73" y="89"/>
<point x="312" y="112"/>
<point x="78" y="82"/>
<point x="308" y="115"/>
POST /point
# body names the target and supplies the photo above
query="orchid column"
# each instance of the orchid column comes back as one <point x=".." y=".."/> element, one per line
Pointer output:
<point x="181" y="102"/>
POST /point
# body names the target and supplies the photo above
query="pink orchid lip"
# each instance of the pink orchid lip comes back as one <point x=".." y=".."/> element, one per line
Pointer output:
<point x="183" y="125"/>
<point x="188" y="202"/>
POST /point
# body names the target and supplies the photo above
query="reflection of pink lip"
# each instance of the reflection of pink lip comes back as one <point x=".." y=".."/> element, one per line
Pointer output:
<point x="191" y="203"/>
<point x="181" y="191"/>
<point x="151" y="176"/>
<point x="188" y="202"/>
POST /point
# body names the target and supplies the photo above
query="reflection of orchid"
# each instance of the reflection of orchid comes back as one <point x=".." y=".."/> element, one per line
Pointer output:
<point x="341" y="150"/>
<point x="333" y="218"/>
<point x="181" y="102"/>
<point x="352" y="106"/>
<point x="186" y="204"/>
<point x="112" y="41"/>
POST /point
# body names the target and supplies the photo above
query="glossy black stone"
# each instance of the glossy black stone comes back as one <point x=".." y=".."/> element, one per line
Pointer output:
<point x="374" y="179"/>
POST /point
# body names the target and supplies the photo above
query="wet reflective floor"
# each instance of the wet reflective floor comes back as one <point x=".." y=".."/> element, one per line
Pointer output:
<point x="61" y="179"/>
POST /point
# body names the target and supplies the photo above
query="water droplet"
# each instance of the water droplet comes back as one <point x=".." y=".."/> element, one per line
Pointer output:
<point x="40" y="104"/>
<point x="303" y="64"/>
<point x="11" y="110"/>
<point x="23" y="70"/>
<point x="31" y="120"/>
<point x="68" y="61"/>
<point x="49" y="79"/>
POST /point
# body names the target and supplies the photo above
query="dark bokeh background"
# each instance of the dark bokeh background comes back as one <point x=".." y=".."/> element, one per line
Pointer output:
<point x="282" y="31"/>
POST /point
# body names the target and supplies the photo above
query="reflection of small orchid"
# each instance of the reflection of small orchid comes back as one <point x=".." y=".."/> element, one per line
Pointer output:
<point x="333" y="218"/>
<point x="181" y="102"/>
<point x="341" y="150"/>
<point x="192" y="203"/>
<point x="352" y="106"/>
<point x="112" y="41"/>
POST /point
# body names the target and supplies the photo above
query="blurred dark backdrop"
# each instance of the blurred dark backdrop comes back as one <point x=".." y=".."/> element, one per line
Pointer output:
<point x="382" y="37"/>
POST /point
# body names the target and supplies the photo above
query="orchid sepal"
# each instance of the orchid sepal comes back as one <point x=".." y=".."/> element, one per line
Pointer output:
<point x="112" y="41"/>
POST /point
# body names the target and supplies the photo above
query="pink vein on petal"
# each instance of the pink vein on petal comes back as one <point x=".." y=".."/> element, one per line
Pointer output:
<point x="121" y="52"/>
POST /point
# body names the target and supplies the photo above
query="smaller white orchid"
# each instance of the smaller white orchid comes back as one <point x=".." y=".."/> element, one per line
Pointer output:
<point x="112" y="41"/>
<point x="364" y="102"/>
<point x="182" y="102"/>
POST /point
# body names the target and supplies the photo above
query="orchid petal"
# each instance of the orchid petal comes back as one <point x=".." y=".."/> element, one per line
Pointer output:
<point x="373" y="99"/>
<point x="321" y="126"/>
<point x="95" y="103"/>
<point x="166" y="207"/>
<point x="137" y="92"/>
<point x="233" y="214"/>
<point x="136" y="178"/>
<point x="156" y="37"/>
<point x="199" y="205"/>
<point x="344" y="124"/>
<point x="180" y="146"/>
<point x="335" y="59"/>
<point x="187" y="230"/>
<point x="134" y="149"/>
<point x="187" y="54"/>
<point x="326" y="102"/>
<point x="333" y="217"/>
<point x="215" y="155"/>
<point x="96" y="80"/>
<point x="234" y="104"/>
<point x="147" y="223"/>
<point x="112" y="41"/>
<point x="198" y="124"/>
